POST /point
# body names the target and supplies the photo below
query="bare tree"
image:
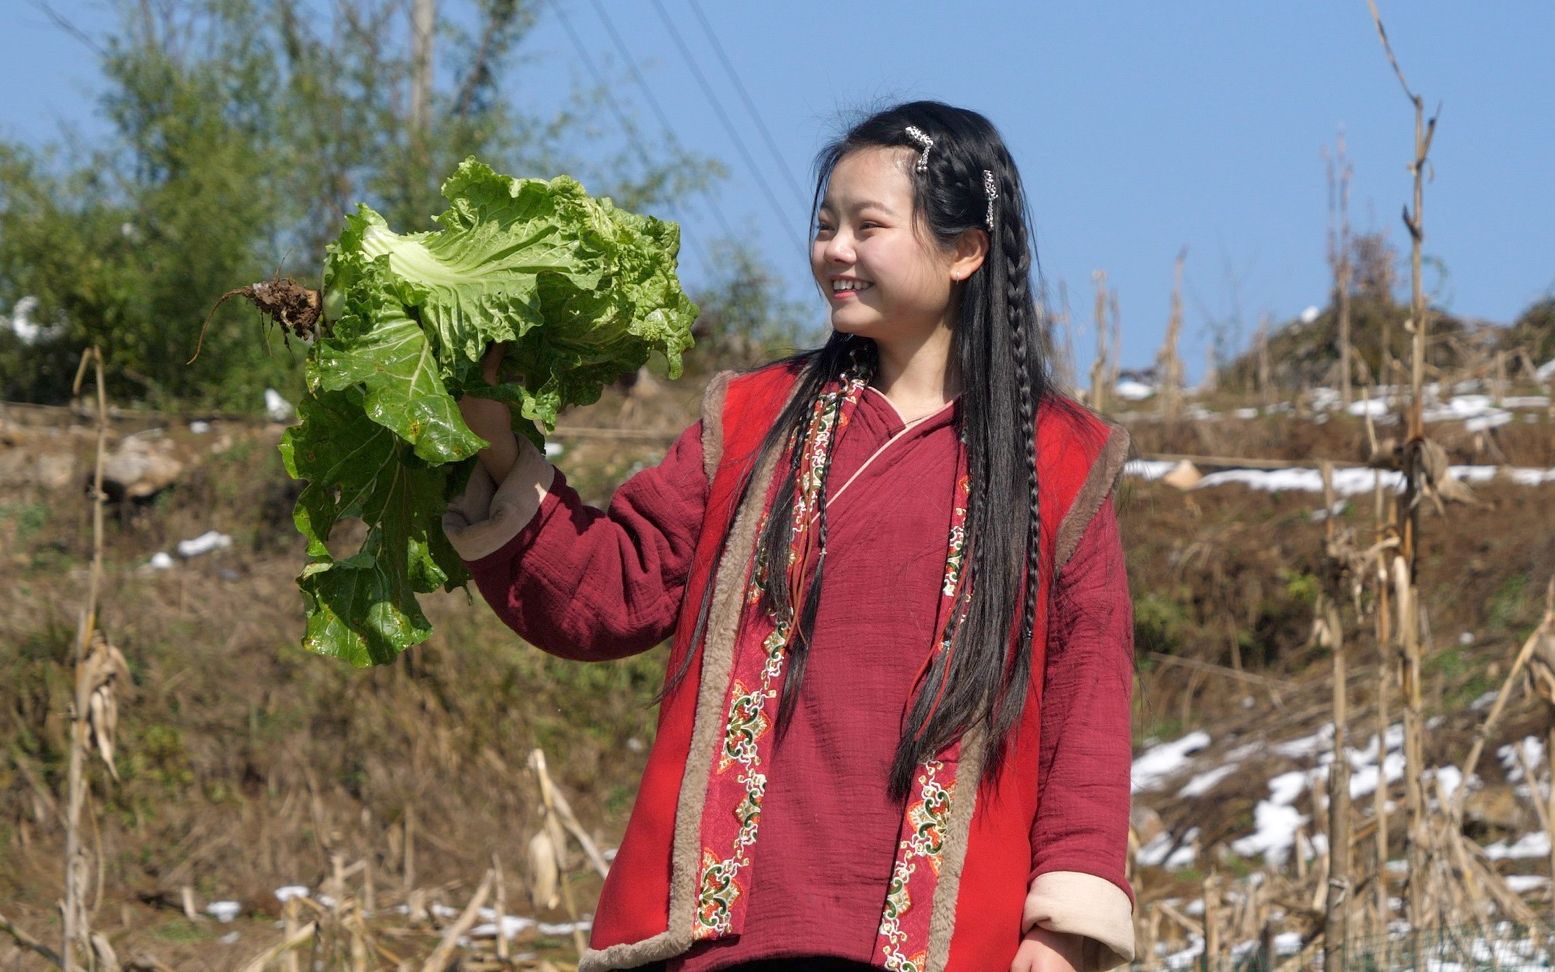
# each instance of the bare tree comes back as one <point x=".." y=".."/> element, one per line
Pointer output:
<point x="1420" y="469"/>
<point x="1339" y="173"/>
<point x="1168" y="361"/>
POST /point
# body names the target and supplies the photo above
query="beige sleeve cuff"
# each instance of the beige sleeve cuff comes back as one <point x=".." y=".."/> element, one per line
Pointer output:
<point x="482" y="519"/>
<point x="1077" y="903"/>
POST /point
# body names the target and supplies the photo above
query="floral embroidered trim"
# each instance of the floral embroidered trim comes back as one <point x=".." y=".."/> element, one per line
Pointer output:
<point x="928" y="818"/>
<point x="751" y="711"/>
<point x="903" y="940"/>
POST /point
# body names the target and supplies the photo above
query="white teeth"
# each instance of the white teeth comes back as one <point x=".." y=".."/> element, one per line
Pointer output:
<point x="840" y="285"/>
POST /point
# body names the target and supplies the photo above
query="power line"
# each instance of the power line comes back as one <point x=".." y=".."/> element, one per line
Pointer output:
<point x="658" y="111"/>
<point x="723" y="117"/>
<point x="627" y="127"/>
<point x="750" y="105"/>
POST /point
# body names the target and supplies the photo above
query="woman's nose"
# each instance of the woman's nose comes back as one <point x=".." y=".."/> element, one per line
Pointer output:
<point x="838" y="249"/>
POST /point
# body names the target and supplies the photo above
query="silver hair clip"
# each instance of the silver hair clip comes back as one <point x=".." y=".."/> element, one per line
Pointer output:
<point x="916" y="134"/>
<point x="991" y="190"/>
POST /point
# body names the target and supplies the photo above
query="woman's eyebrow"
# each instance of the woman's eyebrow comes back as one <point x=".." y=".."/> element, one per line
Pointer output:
<point x="861" y="204"/>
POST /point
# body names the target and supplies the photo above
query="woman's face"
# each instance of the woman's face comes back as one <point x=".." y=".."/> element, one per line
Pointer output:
<point x="880" y="277"/>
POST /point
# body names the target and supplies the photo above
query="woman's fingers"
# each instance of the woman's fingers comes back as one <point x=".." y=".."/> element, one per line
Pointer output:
<point x="1047" y="951"/>
<point x="491" y="362"/>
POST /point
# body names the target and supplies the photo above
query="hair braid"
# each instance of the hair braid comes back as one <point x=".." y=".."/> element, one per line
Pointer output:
<point x="1018" y="304"/>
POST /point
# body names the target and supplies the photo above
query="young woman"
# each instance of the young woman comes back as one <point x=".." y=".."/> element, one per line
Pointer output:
<point x="894" y="731"/>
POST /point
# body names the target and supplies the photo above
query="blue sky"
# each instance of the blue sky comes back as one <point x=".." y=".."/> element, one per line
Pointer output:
<point x="1139" y="127"/>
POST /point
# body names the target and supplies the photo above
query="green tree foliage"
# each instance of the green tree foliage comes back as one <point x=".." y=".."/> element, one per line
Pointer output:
<point x="242" y="133"/>
<point x="746" y="316"/>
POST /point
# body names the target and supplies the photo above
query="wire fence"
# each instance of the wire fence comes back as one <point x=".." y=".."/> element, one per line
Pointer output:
<point x="1455" y="948"/>
<point x="1497" y="947"/>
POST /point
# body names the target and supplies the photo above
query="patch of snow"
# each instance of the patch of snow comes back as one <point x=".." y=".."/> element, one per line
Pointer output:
<point x="1287" y="943"/>
<point x="1318" y="742"/>
<point x="1322" y="399"/>
<point x="566" y="927"/>
<point x="1348" y="480"/>
<point x="1285" y="788"/>
<point x="1204" y="782"/>
<point x="1148" y="468"/>
<point x="1449" y="777"/>
<point x="204" y="543"/>
<point x="1187" y="958"/>
<point x="1526" y="401"/>
<point x="1159" y="762"/>
<point x="1364" y="778"/>
<point x="511" y="927"/>
<point x="1275" y="832"/>
<point x="1132" y="391"/>
<point x="1310" y="314"/>
<point x="1245" y="413"/>
<point x="1524" y="883"/>
<point x="161" y="560"/>
<point x="278" y="408"/>
<point x="230" y="938"/>
<point x="1460" y="407"/>
<point x="1484" y="701"/>
<point x="1482" y="423"/>
<point x="1368" y="406"/>
<point x="223" y="911"/>
<point x="1163" y="851"/>
<point x="1318" y="516"/>
<point x="1546" y="371"/>
<point x="199" y="427"/>
<point x="290" y="891"/>
<point x="1536" y="844"/>
<point x="1531" y="477"/>
<point x="1533" y="748"/>
<point x="1243" y="751"/>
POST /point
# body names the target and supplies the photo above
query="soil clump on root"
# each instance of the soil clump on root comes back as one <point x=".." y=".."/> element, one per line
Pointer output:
<point x="295" y="309"/>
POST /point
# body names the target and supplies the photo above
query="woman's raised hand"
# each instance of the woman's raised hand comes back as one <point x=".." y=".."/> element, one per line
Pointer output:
<point x="492" y="420"/>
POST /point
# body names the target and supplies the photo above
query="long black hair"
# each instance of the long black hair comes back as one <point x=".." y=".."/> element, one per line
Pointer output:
<point x="1000" y="351"/>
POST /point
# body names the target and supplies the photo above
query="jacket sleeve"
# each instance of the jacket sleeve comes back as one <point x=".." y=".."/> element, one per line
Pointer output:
<point x="577" y="581"/>
<point x="1079" y="838"/>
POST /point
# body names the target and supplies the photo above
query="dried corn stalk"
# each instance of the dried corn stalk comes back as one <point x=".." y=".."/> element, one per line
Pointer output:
<point x="102" y="668"/>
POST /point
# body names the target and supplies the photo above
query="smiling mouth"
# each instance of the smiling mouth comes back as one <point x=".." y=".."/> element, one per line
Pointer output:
<point x="840" y="288"/>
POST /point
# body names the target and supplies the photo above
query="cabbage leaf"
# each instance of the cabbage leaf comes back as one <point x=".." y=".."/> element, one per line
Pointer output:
<point x="583" y="291"/>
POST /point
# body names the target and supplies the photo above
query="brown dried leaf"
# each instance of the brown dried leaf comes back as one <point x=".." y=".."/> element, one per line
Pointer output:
<point x="103" y="667"/>
<point x="543" y="878"/>
<point x="1436" y="480"/>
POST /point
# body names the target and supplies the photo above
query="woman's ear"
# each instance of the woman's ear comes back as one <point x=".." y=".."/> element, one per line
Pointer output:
<point x="970" y="251"/>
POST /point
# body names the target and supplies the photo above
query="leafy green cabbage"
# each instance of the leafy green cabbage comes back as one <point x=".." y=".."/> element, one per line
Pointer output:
<point x="585" y="292"/>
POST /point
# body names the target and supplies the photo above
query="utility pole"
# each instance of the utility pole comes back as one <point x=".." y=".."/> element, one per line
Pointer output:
<point x="423" y="20"/>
